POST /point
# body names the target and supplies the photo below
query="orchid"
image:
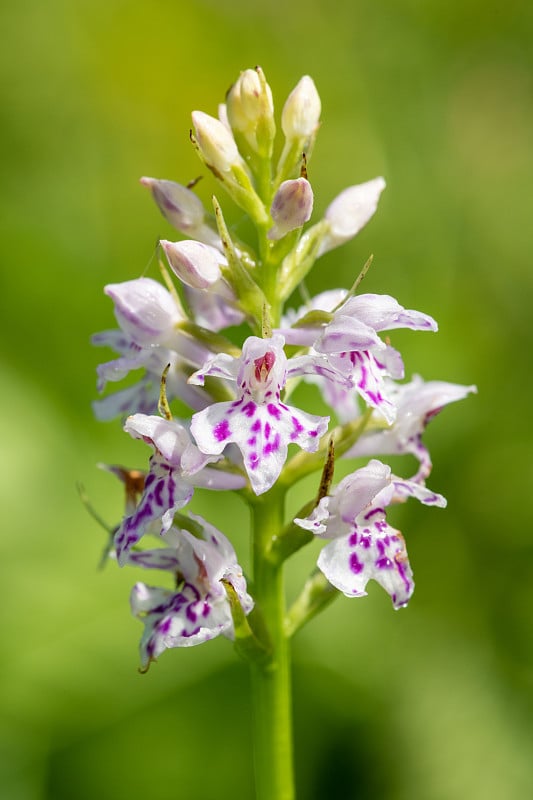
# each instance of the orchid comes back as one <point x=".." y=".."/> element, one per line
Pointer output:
<point x="364" y="546"/>
<point x="198" y="609"/>
<point x="257" y="421"/>
<point x="148" y="338"/>
<point x="417" y="403"/>
<point x="176" y="468"/>
<point x="223" y="339"/>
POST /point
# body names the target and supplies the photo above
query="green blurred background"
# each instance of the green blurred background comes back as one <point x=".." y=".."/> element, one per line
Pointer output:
<point x="431" y="703"/>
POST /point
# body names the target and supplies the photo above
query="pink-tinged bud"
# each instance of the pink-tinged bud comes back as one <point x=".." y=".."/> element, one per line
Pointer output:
<point x="301" y="112"/>
<point x="144" y="309"/>
<point x="196" y="264"/>
<point x="350" y="211"/>
<point x="181" y="207"/>
<point x="215" y="142"/>
<point x="291" y="208"/>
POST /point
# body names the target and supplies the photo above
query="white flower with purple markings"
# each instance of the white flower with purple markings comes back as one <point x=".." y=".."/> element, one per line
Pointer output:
<point x="258" y="422"/>
<point x="364" y="546"/>
<point x="176" y="468"/>
<point x="354" y="350"/>
<point x="198" y="609"/>
<point x="417" y="403"/>
<point x="148" y="339"/>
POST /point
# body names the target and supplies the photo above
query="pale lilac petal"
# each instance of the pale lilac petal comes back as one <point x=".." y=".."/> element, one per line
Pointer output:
<point x="142" y="398"/>
<point x="382" y="312"/>
<point x="221" y="365"/>
<point x="344" y="334"/>
<point x="316" y="364"/>
<point x="403" y="489"/>
<point x="116" y="340"/>
<point x="118" y="368"/>
<point x="350" y="211"/>
<point x="317" y="520"/>
<point x="144" y="309"/>
<point x="214" y="310"/>
<point x="170" y="438"/>
<point x="164" y="558"/>
<point x="219" y="480"/>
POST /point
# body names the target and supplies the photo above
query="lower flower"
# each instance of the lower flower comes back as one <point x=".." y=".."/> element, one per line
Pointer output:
<point x="198" y="609"/>
<point x="364" y="546"/>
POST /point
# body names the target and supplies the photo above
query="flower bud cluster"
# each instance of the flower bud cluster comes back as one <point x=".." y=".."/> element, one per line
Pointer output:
<point x="243" y="431"/>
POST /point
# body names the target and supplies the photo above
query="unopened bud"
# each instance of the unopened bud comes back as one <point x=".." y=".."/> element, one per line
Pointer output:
<point x="196" y="264"/>
<point x="249" y="102"/>
<point x="181" y="207"/>
<point x="215" y="142"/>
<point x="350" y="211"/>
<point x="301" y="112"/>
<point x="291" y="208"/>
<point x="144" y="309"/>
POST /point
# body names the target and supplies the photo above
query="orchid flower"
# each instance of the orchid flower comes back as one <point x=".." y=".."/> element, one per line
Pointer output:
<point x="417" y="403"/>
<point x="363" y="545"/>
<point x="176" y="468"/>
<point x="198" y="610"/>
<point x="148" y="315"/>
<point x="258" y="422"/>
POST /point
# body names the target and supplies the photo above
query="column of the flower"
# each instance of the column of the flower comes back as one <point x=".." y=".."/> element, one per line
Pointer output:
<point x="271" y="681"/>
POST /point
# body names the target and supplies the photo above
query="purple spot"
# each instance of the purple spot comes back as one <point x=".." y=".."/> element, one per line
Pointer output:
<point x="297" y="428"/>
<point x="253" y="460"/>
<point x="256" y="427"/>
<point x="164" y="627"/>
<point x="158" y="492"/>
<point x="251" y="441"/>
<point x="190" y="613"/>
<point x="355" y="565"/>
<point x="384" y="563"/>
<point x="403" y="575"/>
<point x="267" y="429"/>
<point x="249" y="408"/>
<point x="353" y="539"/>
<point x="222" y="431"/>
<point x="187" y="634"/>
<point x="273" y="411"/>
<point x="271" y="447"/>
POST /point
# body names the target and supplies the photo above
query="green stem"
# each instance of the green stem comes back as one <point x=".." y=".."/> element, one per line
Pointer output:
<point x="271" y="680"/>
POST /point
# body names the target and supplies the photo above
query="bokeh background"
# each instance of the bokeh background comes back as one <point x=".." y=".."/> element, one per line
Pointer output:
<point x="430" y="703"/>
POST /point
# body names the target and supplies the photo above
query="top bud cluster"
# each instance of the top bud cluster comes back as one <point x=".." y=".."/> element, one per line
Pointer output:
<point x="241" y="422"/>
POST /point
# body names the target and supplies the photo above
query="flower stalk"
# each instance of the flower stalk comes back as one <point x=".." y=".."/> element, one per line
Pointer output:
<point x="271" y="679"/>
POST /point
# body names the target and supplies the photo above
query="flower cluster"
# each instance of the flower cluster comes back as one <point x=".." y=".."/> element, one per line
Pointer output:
<point x="241" y="425"/>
